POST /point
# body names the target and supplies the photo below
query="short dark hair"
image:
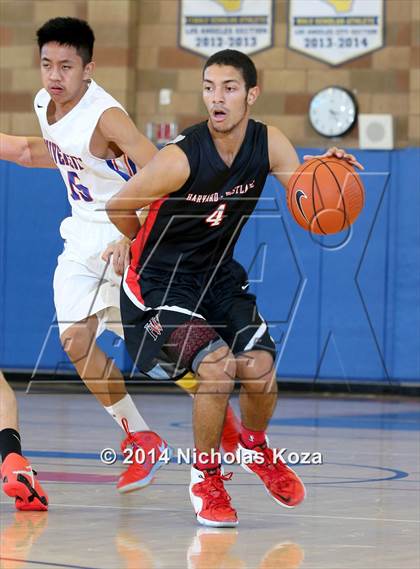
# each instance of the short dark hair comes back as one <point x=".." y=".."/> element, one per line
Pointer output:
<point x="238" y="60"/>
<point x="68" y="31"/>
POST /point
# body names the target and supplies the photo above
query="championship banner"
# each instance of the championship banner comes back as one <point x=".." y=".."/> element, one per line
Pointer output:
<point x="336" y="31"/>
<point x="207" y="26"/>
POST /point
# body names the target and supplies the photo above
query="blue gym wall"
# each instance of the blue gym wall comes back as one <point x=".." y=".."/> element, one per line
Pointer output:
<point x="343" y="307"/>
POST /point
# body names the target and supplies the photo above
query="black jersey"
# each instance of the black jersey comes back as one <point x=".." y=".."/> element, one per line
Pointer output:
<point x="196" y="227"/>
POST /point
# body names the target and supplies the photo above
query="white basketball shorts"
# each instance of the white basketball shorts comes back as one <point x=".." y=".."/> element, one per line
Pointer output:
<point x="84" y="284"/>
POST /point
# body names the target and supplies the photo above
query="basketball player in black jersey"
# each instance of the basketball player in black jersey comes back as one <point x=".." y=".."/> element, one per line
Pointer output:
<point x="185" y="298"/>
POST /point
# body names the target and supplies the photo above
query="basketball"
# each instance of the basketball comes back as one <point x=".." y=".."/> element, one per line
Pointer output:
<point x="325" y="195"/>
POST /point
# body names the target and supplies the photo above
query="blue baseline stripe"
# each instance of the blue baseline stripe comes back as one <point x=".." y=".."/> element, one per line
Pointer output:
<point x="123" y="175"/>
<point x="387" y="421"/>
<point x="75" y="455"/>
<point x="62" y="454"/>
<point x="79" y="455"/>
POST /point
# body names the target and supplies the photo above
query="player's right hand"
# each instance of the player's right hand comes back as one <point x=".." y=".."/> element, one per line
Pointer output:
<point x="120" y="252"/>
<point x="337" y="153"/>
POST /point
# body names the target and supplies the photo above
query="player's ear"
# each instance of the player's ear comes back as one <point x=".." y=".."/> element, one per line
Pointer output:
<point x="88" y="70"/>
<point x="253" y="94"/>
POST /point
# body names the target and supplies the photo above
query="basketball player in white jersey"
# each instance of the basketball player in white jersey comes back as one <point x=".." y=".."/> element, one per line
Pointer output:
<point x="89" y="137"/>
<point x="86" y="135"/>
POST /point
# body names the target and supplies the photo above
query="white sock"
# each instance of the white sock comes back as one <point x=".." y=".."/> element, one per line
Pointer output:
<point x="125" y="409"/>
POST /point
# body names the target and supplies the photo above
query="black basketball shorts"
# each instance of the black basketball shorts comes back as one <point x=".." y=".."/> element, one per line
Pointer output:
<point x="173" y="320"/>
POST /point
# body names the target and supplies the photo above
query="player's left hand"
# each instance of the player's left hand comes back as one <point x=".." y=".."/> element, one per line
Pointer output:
<point x="337" y="153"/>
<point x="120" y="252"/>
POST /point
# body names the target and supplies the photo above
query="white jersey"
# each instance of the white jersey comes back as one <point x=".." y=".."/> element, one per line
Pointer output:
<point x="90" y="181"/>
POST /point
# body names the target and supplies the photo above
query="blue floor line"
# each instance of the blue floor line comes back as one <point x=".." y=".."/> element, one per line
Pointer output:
<point x="409" y="421"/>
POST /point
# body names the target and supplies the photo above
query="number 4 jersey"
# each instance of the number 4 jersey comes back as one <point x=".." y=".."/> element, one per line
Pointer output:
<point x="196" y="227"/>
<point x="90" y="181"/>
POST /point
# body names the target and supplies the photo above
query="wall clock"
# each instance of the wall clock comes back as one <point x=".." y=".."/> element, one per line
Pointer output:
<point x="333" y="111"/>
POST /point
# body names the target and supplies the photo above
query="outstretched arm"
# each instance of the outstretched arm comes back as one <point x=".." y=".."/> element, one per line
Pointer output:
<point x="165" y="174"/>
<point x="283" y="158"/>
<point x="29" y="151"/>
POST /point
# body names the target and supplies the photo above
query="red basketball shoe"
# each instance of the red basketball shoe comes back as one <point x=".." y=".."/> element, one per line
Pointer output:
<point x="149" y="453"/>
<point x="231" y="430"/>
<point x="210" y="500"/>
<point x="281" y="483"/>
<point x="19" y="482"/>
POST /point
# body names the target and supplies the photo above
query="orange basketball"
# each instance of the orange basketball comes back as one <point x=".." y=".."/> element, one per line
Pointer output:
<point x="325" y="195"/>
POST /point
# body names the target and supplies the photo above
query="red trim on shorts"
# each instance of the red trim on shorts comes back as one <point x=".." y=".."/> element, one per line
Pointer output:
<point x="137" y="248"/>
